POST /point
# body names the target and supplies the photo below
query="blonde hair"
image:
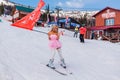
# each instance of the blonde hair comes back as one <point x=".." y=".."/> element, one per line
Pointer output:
<point x="53" y="31"/>
<point x="53" y="28"/>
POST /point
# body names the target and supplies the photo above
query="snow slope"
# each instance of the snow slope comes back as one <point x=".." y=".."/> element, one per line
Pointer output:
<point x="23" y="53"/>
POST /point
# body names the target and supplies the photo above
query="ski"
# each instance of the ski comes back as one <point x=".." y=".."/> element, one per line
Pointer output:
<point x="67" y="70"/>
<point x="57" y="71"/>
<point x="69" y="73"/>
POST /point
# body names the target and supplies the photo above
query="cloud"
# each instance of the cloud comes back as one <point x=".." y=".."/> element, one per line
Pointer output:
<point x="76" y="3"/>
<point x="72" y="4"/>
<point x="60" y="4"/>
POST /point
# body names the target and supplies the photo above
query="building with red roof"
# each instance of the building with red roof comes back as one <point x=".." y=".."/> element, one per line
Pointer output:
<point x="107" y="24"/>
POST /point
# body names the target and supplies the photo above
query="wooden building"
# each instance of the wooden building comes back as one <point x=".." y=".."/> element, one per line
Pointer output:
<point x="107" y="25"/>
<point x="21" y="11"/>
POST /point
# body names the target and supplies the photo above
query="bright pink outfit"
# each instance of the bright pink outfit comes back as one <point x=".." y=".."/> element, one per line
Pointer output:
<point x="54" y="43"/>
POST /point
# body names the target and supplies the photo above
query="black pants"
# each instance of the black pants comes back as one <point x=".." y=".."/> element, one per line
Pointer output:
<point x="81" y="36"/>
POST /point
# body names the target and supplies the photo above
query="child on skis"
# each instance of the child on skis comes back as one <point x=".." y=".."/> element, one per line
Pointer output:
<point x="55" y="45"/>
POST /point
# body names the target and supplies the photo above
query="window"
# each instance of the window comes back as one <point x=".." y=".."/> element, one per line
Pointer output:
<point x="109" y="22"/>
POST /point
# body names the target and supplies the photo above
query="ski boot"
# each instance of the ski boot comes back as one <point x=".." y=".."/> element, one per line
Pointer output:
<point x="63" y="63"/>
<point x="50" y="64"/>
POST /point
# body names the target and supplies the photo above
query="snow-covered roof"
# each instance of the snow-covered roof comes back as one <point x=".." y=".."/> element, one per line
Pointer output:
<point x="6" y="2"/>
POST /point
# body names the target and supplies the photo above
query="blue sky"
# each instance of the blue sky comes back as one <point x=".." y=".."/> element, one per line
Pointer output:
<point x="74" y="4"/>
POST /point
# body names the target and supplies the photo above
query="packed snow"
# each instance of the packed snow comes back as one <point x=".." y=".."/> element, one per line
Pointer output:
<point x="24" y="54"/>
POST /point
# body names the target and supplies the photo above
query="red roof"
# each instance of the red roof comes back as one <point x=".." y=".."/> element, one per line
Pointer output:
<point x="104" y="10"/>
<point x="104" y="27"/>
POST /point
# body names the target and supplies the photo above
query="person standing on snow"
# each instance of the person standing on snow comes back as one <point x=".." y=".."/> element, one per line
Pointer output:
<point x="82" y="32"/>
<point x="55" y="46"/>
<point x="76" y="32"/>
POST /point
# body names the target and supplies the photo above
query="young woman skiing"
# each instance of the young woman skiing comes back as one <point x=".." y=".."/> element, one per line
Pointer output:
<point x="55" y="46"/>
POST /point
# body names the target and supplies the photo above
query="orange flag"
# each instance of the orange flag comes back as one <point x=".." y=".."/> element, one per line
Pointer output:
<point x="29" y="20"/>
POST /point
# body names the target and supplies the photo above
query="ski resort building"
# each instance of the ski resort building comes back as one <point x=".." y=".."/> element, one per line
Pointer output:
<point x="21" y="11"/>
<point x="107" y="25"/>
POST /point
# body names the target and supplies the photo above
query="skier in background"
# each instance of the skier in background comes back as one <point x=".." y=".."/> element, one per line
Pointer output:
<point x="76" y="32"/>
<point x="55" y="46"/>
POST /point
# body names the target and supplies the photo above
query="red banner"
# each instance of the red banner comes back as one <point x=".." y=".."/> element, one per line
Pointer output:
<point x="29" y="20"/>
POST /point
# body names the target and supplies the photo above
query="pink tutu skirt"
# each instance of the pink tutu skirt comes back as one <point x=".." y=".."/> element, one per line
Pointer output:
<point x="54" y="43"/>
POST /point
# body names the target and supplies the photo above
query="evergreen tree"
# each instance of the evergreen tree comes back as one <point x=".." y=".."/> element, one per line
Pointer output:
<point x="83" y="19"/>
<point x="1" y="9"/>
<point x="44" y="17"/>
